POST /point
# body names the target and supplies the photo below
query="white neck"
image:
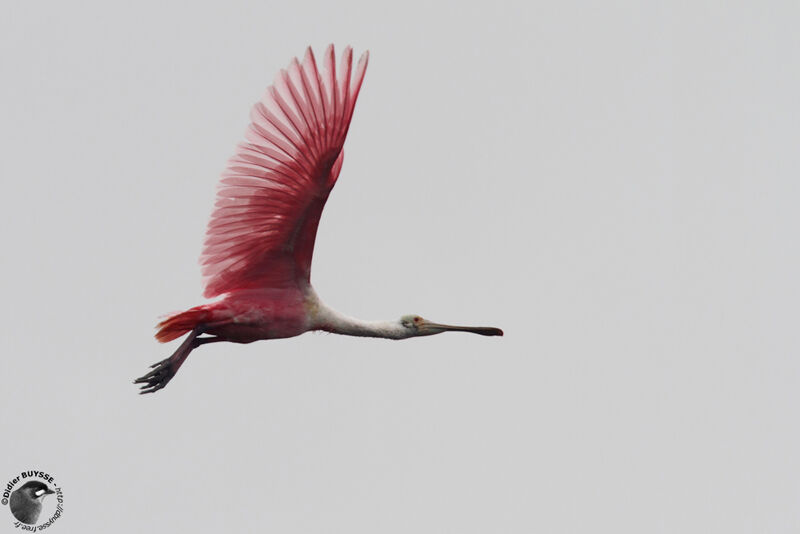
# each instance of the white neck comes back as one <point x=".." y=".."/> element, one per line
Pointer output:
<point x="330" y="320"/>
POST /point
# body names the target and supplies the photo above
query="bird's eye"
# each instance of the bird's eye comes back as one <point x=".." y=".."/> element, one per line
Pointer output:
<point x="417" y="319"/>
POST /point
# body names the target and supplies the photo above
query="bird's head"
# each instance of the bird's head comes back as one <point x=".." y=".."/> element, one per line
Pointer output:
<point x="35" y="489"/>
<point x="417" y="326"/>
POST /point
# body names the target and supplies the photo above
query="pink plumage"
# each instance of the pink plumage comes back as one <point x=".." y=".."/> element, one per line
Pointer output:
<point x="271" y="197"/>
<point x="260" y="239"/>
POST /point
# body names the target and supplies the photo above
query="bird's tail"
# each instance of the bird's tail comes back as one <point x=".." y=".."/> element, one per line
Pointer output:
<point x="177" y="324"/>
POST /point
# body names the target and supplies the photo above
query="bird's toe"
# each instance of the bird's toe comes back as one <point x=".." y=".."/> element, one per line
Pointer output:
<point x="156" y="379"/>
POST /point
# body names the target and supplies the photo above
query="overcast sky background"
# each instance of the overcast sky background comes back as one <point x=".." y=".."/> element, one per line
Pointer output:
<point x="615" y="186"/>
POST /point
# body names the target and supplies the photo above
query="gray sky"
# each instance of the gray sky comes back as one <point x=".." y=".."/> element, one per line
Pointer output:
<point x="616" y="187"/>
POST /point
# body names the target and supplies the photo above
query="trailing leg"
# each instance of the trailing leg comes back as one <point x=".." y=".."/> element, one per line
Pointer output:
<point x="164" y="370"/>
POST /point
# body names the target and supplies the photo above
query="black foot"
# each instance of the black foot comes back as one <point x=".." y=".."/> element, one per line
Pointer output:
<point x="164" y="370"/>
<point x="159" y="377"/>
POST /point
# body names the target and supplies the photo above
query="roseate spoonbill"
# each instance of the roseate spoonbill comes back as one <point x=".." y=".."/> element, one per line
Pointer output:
<point x="259" y="242"/>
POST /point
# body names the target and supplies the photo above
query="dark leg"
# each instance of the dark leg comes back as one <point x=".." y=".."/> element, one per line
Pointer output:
<point x="203" y="340"/>
<point x="164" y="370"/>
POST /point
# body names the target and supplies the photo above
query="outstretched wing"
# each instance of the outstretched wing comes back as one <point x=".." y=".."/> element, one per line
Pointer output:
<point x="272" y="193"/>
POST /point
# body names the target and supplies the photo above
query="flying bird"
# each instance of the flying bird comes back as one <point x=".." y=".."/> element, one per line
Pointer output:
<point x="260" y="239"/>
<point x="26" y="502"/>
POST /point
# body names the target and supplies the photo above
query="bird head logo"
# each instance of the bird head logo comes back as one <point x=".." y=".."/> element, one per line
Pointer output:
<point x="26" y="501"/>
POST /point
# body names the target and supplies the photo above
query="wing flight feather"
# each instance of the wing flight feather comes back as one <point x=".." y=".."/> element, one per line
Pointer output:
<point x="271" y="195"/>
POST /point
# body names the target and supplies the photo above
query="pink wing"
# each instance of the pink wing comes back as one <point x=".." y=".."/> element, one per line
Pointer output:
<point x="271" y="196"/>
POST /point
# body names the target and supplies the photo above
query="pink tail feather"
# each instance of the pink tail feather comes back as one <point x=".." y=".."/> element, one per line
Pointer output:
<point x="178" y="324"/>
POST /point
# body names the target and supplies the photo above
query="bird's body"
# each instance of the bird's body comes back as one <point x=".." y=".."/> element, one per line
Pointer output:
<point x="246" y="316"/>
<point x="260" y="240"/>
